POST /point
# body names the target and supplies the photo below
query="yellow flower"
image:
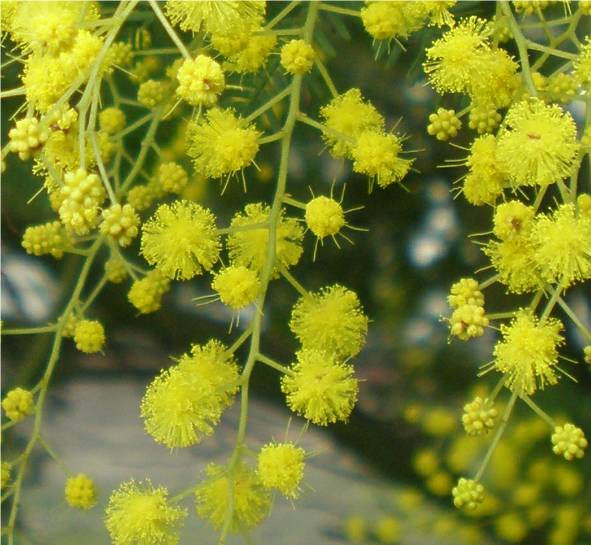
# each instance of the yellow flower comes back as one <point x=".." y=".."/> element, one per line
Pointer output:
<point x="251" y="501"/>
<point x="485" y="180"/>
<point x="81" y="492"/>
<point x="467" y="322"/>
<point x="120" y="223"/>
<point x="465" y="292"/>
<point x="82" y="195"/>
<point x="146" y="294"/>
<point x="49" y="238"/>
<point x="569" y="441"/>
<point x="181" y="240"/>
<point x="444" y="124"/>
<point x="281" y="466"/>
<point x="89" y="336"/>
<point x="324" y="217"/>
<point x="297" y="57"/>
<point x="201" y="81"/>
<point x="512" y="219"/>
<point x="112" y="120"/>
<point x="139" y="514"/>
<point x="18" y="404"/>
<point x="528" y="353"/>
<point x="320" y="388"/>
<point x="331" y="320"/>
<point x="468" y="494"/>
<point x="546" y="137"/>
<point x="479" y="416"/>
<point x="237" y="286"/>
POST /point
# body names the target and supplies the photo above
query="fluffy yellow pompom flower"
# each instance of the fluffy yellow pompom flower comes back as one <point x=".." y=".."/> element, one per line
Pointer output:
<point x="201" y="81"/>
<point x="281" y="466"/>
<point x="582" y="64"/>
<point x="81" y="492"/>
<point x="183" y="404"/>
<point x="331" y="320"/>
<point x="376" y="154"/>
<point x="249" y="247"/>
<point x="27" y="137"/>
<point x="252" y="501"/>
<point x="468" y="494"/>
<point x="569" y="441"/>
<point x="324" y="217"/>
<point x="82" y="194"/>
<point x="321" y="389"/>
<point x="89" y="336"/>
<point x="215" y="16"/>
<point x="512" y="219"/>
<point x="181" y="240"/>
<point x="465" y="292"/>
<point x="222" y="144"/>
<point x="237" y="286"/>
<point x="139" y="514"/>
<point x="384" y="20"/>
<point x="347" y="116"/>
<point x="297" y="57"/>
<point x="120" y="223"/>
<point x="49" y="238"/>
<point x="112" y="120"/>
<point x="563" y="245"/>
<point x="146" y="294"/>
<point x="528" y="353"/>
<point x="172" y="177"/>
<point x="479" y="416"/>
<point x="18" y="404"/>
<point x="485" y="181"/>
<point x="546" y="137"/>
<point x="455" y="60"/>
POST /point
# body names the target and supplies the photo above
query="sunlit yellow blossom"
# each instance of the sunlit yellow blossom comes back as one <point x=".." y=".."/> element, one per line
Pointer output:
<point x="324" y="216"/>
<point x="201" y="81"/>
<point x="297" y="56"/>
<point x="146" y="294"/>
<point x="18" y="403"/>
<point x="512" y="219"/>
<point x="281" y="466"/>
<point x="237" y="286"/>
<point x="181" y="240"/>
<point x="484" y="182"/>
<point x="81" y="492"/>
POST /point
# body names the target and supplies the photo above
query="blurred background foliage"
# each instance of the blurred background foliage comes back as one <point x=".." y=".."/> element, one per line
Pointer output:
<point x="406" y="427"/>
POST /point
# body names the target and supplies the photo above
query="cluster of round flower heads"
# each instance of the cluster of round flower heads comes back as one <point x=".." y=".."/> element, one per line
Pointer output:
<point x="80" y="492"/>
<point x="18" y="403"/>
<point x="468" y="319"/>
<point x="355" y="129"/>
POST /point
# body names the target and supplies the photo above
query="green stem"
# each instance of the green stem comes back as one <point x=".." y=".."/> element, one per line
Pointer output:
<point x="326" y="77"/>
<point x="550" y="50"/>
<point x="275" y="365"/>
<point x="568" y="311"/>
<point x="538" y="410"/>
<point x="269" y="104"/>
<point x="169" y="30"/>
<point x="29" y="330"/>
<point x="342" y="11"/>
<point x="291" y="279"/>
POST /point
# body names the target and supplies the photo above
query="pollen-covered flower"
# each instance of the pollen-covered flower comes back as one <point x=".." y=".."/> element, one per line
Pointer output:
<point x="215" y="16"/>
<point x="89" y="336"/>
<point x="512" y="219"/>
<point x="201" y="81"/>
<point x="384" y="20"/>
<point x="455" y="60"/>
<point x="569" y="441"/>
<point x="281" y="466"/>
<point x="139" y="514"/>
<point x="248" y="247"/>
<point x="120" y="223"/>
<point x="324" y="216"/>
<point x="81" y="492"/>
<point x="479" y="417"/>
<point x="18" y="404"/>
<point x="111" y="120"/>
<point x="563" y="245"/>
<point x="468" y="494"/>
<point x="251" y="501"/>
<point x="181" y="240"/>
<point x="347" y="116"/>
<point x="222" y="144"/>
<point x="465" y="292"/>
<point x="146" y="294"/>
<point x="444" y="124"/>
<point x="528" y="353"/>
<point x="320" y="388"/>
<point x="582" y="64"/>
<point x="27" y="137"/>
<point x="172" y="177"/>
<point x="48" y="238"/>
<point x="297" y="57"/>
<point x="183" y="404"/>
<point x="82" y="194"/>
<point x="331" y="320"/>
<point x="376" y="154"/>
<point x="467" y="322"/>
<point x="485" y="181"/>
<point x="546" y="137"/>
<point x="237" y="286"/>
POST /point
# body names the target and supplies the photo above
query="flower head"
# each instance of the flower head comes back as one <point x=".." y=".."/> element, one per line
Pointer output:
<point x="146" y="294"/>
<point x="563" y="245"/>
<point x="222" y="144"/>
<point x="297" y="57"/>
<point x="237" y="286"/>
<point x="479" y="416"/>
<point x="120" y="223"/>
<point x="468" y="321"/>
<point x="172" y="177"/>
<point x="324" y="216"/>
<point x="27" y="137"/>
<point x="468" y="494"/>
<point x="485" y="181"/>
<point x="281" y="466"/>
<point x="347" y="116"/>
<point x="444" y="124"/>
<point x="82" y="194"/>
<point x="569" y="441"/>
<point x="18" y="404"/>
<point x="112" y="120"/>
<point x="321" y="389"/>
<point x="81" y="492"/>
<point x="49" y="238"/>
<point x="89" y="336"/>
<point x="528" y="353"/>
<point x="512" y="219"/>
<point x="139" y="514"/>
<point x="465" y="292"/>
<point x="546" y="137"/>
<point x="248" y="247"/>
<point x="252" y="501"/>
<point x="201" y="81"/>
<point x="331" y="320"/>
<point x="181" y="240"/>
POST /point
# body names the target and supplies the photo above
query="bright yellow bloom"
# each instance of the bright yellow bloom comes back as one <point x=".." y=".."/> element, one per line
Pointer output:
<point x="467" y="322"/>
<point x="172" y="177"/>
<point x="485" y="181"/>
<point x="139" y="514"/>
<point x="281" y="466"/>
<point x="297" y="57"/>
<point x="18" y="404"/>
<point x="237" y="286"/>
<point x="181" y="240"/>
<point x="201" y="81"/>
<point x="321" y="389"/>
<point x="89" y="336"/>
<point x="146" y="294"/>
<point x="81" y="492"/>
<point x="324" y="217"/>
<point x="512" y="219"/>
<point x="82" y="194"/>
<point x="112" y="120"/>
<point x="48" y="238"/>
